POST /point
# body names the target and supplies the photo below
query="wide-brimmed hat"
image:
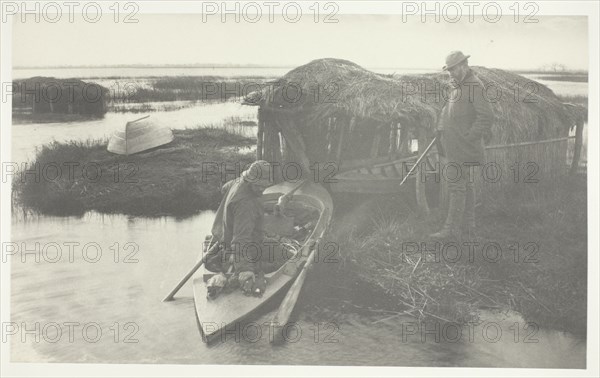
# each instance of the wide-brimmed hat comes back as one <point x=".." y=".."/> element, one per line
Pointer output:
<point x="454" y="58"/>
<point x="259" y="171"/>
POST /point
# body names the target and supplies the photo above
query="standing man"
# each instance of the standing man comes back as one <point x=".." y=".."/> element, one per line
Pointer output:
<point x="238" y="225"/>
<point x="465" y="120"/>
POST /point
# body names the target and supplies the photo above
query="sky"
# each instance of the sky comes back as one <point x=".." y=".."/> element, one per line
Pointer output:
<point x="369" y="40"/>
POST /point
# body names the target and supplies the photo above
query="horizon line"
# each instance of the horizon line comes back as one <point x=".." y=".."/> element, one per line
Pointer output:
<point x="254" y="65"/>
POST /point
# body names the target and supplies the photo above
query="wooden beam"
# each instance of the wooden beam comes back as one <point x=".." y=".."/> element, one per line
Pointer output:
<point x="578" y="145"/>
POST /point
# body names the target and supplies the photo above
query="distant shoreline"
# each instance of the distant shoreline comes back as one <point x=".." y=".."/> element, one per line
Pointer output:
<point x="252" y="66"/>
<point x="146" y="66"/>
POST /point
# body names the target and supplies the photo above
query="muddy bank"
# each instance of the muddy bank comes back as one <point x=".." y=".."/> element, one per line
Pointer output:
<point x="529" y="255"/>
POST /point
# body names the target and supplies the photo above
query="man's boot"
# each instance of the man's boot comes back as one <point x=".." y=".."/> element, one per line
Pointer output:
<point x="456" y="208"/>
<point x="469" y="226"/>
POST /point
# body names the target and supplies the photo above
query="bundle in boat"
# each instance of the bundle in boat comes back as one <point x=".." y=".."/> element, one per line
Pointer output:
<point x="139" y="135"/>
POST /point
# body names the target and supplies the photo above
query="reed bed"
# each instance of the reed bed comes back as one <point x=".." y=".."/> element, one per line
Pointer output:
<point x="167" y="180"/>
<point x="545" y="280"/>
<point x="189" y="88"/>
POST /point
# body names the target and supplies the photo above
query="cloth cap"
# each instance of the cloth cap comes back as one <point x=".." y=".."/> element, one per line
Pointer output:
<point x="258" y="172"/>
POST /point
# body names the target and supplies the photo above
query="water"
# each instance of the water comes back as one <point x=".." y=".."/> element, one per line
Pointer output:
<point x="142" y="72"/>
<point x="120" y="294"/>
<point x="123" y="299"/>
<point x="26" y="137"/>
<point x="562" y="88"/>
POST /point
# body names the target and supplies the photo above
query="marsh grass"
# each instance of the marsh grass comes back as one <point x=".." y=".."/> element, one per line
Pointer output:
<point x="541" y="270"/>
<point x="169" y="180"/>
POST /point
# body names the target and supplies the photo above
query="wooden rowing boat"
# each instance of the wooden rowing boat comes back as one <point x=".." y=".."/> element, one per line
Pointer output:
<point x="139" y="135"/>
<point x="230" y="310"/>
<point x="384" y="177"/>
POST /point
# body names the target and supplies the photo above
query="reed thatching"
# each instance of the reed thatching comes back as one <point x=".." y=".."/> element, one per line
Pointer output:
<point x="524" y="109"/>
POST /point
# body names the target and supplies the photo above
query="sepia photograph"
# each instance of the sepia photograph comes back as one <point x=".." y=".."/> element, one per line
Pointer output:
<point x="280" y="188"/>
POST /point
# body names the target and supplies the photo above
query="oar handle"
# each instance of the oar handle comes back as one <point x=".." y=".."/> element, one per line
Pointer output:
<point x="210" y="252"/>
<point x="281" y="201"/>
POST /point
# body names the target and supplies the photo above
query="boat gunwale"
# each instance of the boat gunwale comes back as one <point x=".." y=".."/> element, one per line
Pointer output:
<point x="324" y="206"/>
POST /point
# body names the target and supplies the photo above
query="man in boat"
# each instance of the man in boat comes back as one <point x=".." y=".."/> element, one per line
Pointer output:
<point x="238" y="226"/>
<point x="465" y="121"/>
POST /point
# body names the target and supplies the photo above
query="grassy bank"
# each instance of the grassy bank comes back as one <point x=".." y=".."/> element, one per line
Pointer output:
<point x="531" y="257"/>
<point x="164" y="181"/>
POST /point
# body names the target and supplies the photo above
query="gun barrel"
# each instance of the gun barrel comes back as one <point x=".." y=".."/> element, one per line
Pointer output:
<point x="418" y="161"/>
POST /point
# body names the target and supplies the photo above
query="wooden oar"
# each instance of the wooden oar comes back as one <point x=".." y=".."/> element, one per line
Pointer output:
<point x="210" y="252"/>
<point x="287" y="306"/>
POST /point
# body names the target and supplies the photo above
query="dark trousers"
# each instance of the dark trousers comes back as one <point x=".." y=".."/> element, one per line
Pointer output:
<point x="461" y="196"/>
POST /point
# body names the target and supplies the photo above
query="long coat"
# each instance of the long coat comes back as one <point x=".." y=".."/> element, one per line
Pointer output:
<point x="465" y="120"/>
<point x="238" y="224"/>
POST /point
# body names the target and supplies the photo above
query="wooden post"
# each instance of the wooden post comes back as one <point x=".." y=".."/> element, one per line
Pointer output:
<point x="376" y="142"/>
<point x="419" y="183"/>
<point x="393" y="138"/>
<point x="267" y="144"/>
<point x="259" y="136"/>
<point x="338" y="153"/>
<point x="286" y="153"/>
<point x="295" y="142"/>
<point x="277" y="156"/>
<point x="352" y="125"/>
<point x="404" y="140"/>
<point x="578" y="145"/>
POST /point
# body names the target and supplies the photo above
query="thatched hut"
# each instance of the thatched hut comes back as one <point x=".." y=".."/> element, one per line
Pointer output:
<point x="333" y="110"/>
<point x="42" y="95"/>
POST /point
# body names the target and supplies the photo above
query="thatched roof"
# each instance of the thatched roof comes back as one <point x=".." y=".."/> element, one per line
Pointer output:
<point x="53" y="95"/>
<point x="526" y="110"/>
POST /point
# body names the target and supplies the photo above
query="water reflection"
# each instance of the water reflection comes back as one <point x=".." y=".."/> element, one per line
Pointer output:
<point x="27" y="137"/>
<point x="114" y="270"/>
